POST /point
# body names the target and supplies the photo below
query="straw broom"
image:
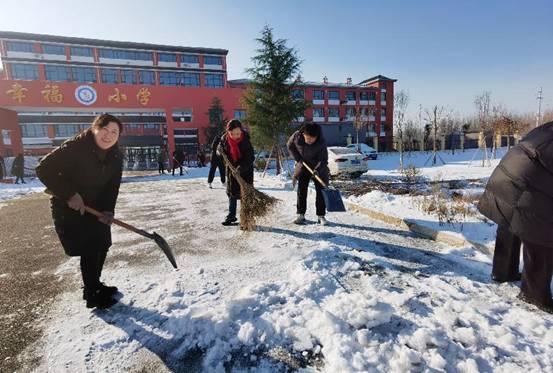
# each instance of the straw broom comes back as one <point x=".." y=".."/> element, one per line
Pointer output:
<point x="254" y="204"/>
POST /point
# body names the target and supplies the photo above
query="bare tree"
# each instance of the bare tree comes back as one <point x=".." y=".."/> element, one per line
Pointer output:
<point x="434" y="116"/>
<point x="401" y="101"/>
<point x="483" y="103"/>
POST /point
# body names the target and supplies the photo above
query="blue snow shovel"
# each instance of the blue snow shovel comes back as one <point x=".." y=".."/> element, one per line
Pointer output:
<point x="331" y="196"/>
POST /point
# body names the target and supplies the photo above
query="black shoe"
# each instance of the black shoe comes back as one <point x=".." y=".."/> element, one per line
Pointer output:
<point x="104" y="289"/>
<point x="97" y="299"/>
<point x="544" y="307"/>
<point x="230" y="220"/>
<point x="501" y="280"/>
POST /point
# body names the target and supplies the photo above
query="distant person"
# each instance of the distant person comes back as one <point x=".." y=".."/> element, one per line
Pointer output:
<point x="200" y="156"/>
<point x="2" y="167"/>
<point x="519" y="198"/>
<point x="216" y="163"/>
<point x="86" y="171"/>
<point x="236" y="145"/>
<point x="161" y="159"/>
<point x="18" y="168"/>
<point x="178" y="160"/>
<point x="308" y="145"/>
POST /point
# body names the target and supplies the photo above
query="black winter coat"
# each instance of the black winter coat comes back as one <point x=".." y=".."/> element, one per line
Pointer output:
<point x="519" y="194"/>
<point x="247" y="158"/>
<point x="315" y="155"/>
<point x="18" y="166"/>
<point x="216" y="159"/>
<point x="77" y="166"/>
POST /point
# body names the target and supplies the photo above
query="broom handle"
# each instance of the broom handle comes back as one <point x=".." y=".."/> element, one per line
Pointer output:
<point x="314" y="174"/>
<point x="118" y="222"/>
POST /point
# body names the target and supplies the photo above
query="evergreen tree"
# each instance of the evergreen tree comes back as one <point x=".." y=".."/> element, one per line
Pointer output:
<point x="270" y="107"/>
<point x="216" y="114"/>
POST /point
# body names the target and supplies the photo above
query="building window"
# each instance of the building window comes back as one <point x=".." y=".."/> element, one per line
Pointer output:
<point x="239" y="114"/>
<point x="333" y="95"/>
<point x="152" y="127"/>
<point x="333" y="112"/>
<point x="318" y="95"/>
<point x="192" y="80"/>
<point x="298" y="94"/>
<point x="350" y="95"/>
<point x="34" y="130"/>
<point x="147" y="77"/>
<point x="109" y="76"/>
<point x="24" y="71"/>
<point x="120" y="54"/>
<point x="214" y="80"/>
<point x="84" y="74"/>
<point x="53" y="49"/>
<point x="167" y="57"/>
<point x="16" y="46"/>
<point x="372" y="96"/>
<point x="189" y="58"/>
<point x="67" y="130"/>
<point x="128" y="77"/>
<point x="383" y="127"/>
<point x="364" y="96"/>
<point x="383" y="96"/>
<point x="168" y="78"/>
<point x="81" y="51"/>
<point x="318" y="112"/>
<point x="213" y="60"/>
<point x="57" y="73"/>
<point x="350" y="112"/>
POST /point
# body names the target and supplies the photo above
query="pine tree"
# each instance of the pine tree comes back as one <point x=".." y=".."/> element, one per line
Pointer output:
<point x="216" y="115"/>
<point x="270" y="107"/>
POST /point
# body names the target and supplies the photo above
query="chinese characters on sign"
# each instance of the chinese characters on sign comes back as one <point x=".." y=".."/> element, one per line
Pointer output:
<point x="117" y="96"/>
<point x="143" y="96"/>
<point x="17" y="92"/>
<point x="52" y="94"/>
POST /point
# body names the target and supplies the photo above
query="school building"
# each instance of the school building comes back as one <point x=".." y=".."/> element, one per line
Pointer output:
<point x="51" y="87"/>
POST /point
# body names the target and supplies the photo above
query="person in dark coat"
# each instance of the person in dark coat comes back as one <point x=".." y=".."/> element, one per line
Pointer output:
<point x="519" y="198"/>
<point x="18" y="168"/>
<point x="86" y="171"/>
<point x="236" y="145"/>
<point x="178" y="160"/>
<point x="161" y="159"/>
<point x="216" y="163"/>
<point x="2" y="165"/>
<point x="308" y="145"/>
<point x="200" y="159"/>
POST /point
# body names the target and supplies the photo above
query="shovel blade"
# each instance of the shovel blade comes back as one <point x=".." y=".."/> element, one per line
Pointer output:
<point x="333" y="200"/>
<point x="164" y="246"/>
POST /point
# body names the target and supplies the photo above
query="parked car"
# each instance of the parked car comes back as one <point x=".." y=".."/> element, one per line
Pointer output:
<point x="364" y="149"/>
<point x="345" y="161"/>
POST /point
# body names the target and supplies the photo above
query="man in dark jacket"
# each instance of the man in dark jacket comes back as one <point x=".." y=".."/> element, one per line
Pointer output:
<point x="178" y="160"/>
<point x="18" y="168"/>
<point x="161" y="159"/>
<point x="308" y="145"/>
<point x="1" y="167"/>
<point x="216" y="163"/>
<point x="519" y="198"/>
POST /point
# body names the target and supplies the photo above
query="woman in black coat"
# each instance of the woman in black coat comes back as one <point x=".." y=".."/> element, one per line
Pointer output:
<point x="18" y="168"/>
<point x="86" y="170"/>
<point x="519" y="198"/>
<point x="236" y="145"/>
<point x="308" y="145"/>
<point x="216" y="163"/>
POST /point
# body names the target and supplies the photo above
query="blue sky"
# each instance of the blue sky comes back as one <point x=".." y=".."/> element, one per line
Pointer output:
<point x="442" y="52"/>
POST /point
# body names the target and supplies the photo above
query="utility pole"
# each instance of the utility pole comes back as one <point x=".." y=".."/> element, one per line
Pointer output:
<point x="538" y="115"/>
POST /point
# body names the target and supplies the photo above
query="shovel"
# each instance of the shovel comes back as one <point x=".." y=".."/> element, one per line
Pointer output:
<point x="331" y="196"/>
<point x="160" y="241"/>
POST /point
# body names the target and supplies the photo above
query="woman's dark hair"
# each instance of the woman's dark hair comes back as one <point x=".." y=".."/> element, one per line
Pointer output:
<point x="311" y="129"/>
<point x="233" y="123"/>
<point x="103" y="120"/>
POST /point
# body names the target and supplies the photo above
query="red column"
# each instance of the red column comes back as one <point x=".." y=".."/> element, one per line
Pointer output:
<point x="170" y="128"/>
<point x="41" y="72"/>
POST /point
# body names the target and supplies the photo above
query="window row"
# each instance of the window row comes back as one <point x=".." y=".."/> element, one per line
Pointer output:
<point x="334" y="112"/>
<point x="335" y="95"/>
<point x="58" y="49"/>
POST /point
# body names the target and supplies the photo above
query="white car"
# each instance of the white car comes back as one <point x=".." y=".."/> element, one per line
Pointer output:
<point x="364" y="149"/>
<point x="342" y="160"/>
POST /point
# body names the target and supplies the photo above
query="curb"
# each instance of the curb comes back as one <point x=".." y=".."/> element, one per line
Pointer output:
<point x="422" y="230"/>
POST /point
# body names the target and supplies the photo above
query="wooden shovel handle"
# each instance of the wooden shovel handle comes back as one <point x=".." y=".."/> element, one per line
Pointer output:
<point x="314" y="174"/>
<point x="120" y="223"/>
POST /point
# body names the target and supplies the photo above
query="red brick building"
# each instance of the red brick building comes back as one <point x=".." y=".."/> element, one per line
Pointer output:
<point x="51" y="87"/>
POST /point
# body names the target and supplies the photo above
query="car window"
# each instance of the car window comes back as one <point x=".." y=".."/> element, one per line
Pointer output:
<point x="340" y="151"/>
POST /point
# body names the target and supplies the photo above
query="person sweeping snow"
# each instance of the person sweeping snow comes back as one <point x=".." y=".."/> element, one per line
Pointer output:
<point x="307" y="145"/>
<point x="86" y="171"/>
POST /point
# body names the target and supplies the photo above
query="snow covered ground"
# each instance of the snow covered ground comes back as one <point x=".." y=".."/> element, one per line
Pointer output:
<point x="11" y="191"/>
<point x="354" y="296"/>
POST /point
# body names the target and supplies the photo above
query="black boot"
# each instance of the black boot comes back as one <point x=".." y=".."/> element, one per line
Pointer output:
<point x="96" y="298"/>
<point x="104" y="289"/>
<point x="230" y="220"/>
